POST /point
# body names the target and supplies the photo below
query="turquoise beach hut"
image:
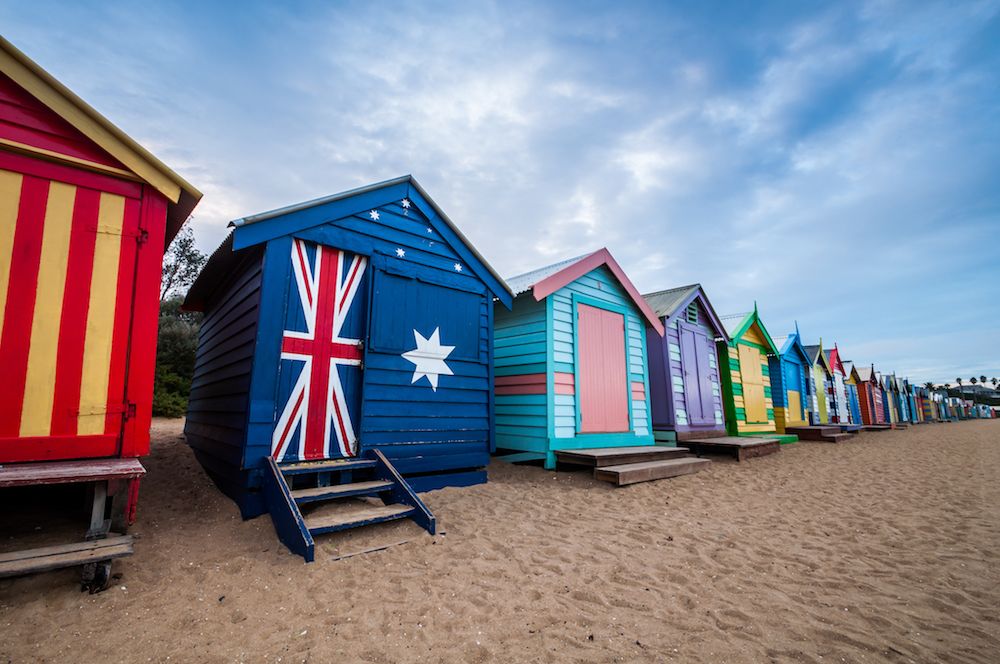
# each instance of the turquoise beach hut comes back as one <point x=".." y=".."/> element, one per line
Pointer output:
<point x="570" y="368"/>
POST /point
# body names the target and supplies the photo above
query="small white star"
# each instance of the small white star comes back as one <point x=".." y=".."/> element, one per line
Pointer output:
<point x="374" y="215"/>
<point x="430" y="230"/>
<point x="458" y="267"/>
<point x="428" y="358"/>
<point x="400" y="252"/>
<point x="405" y="203"/>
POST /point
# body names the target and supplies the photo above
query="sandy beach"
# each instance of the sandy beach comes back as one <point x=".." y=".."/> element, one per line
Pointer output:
<point x="885" y="548"/>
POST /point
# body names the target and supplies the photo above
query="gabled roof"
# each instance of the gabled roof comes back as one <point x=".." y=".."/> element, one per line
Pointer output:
<point x="791" y="343"/>
<point x="737" y="324"/>
<point x="523" y="283"/>
<point x="547" y="280"/>
<point x="833" y="359"/>
<point x="255" y="229"/>
<point x="816" y="354"/>
<point x="78" y="113"/>
<point x="866" y="374"/>
<point x="669" y="303"/>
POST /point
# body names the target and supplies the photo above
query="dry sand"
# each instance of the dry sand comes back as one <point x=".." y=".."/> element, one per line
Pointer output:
<point x="886" y="548"/>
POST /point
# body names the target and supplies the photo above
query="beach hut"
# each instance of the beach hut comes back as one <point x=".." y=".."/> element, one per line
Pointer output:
<point x="916" y="409"/>
<point x="840" y="411"/>
<point x="891" y="399"/>
<point x="684" y="385"/>
<point x="572" y="379"/>
<point x="746" y="381"/>
<point x="346" y="351"/>
<point x="85" y="216"/>
<point x="901" y="400"/>
<point x="790" y="371"/>
<point x="823" y="381"/>
<point x="853" y="394"/>
<point x="870" y="395"/>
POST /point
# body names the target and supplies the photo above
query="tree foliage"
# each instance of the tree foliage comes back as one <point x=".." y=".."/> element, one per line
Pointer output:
<point x="181" y="265"/>
<point x="177" y="339"/>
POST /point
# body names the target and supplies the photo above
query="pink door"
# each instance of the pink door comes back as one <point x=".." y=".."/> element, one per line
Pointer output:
<point x="603" y="389"/>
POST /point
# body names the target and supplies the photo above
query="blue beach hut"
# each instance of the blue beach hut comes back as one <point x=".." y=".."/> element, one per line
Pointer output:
<point x="346" y="353"/>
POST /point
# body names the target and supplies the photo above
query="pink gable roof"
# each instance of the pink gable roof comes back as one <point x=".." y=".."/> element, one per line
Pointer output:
<point x="602" y="257"/>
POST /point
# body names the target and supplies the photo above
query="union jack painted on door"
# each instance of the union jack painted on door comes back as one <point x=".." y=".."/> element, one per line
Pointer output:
<point x="319" y="378"/>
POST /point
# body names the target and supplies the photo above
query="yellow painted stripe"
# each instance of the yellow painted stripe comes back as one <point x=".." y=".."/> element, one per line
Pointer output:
<point x="10" y="199"/>
<point x="101" y="316"/>
<point x="40" y="382"/>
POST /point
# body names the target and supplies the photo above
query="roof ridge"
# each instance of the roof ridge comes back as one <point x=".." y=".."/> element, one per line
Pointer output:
<point x="672" y="290"/>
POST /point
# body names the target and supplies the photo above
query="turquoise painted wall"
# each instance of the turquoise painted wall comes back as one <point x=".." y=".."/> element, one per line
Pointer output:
<point x="520" y="347"/>
<point x="598" y="285"/>
<point x="539" y="338"/>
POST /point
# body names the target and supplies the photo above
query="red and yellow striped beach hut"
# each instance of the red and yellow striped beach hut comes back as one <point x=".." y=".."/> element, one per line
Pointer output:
<point x="85" y="216"/>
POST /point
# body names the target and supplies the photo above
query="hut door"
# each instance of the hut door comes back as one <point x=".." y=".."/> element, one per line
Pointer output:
<point x="602" y="372"/>
<point x="697" y="376"/>
<point x="319" y="377"/>
<point x="753" y="384"/>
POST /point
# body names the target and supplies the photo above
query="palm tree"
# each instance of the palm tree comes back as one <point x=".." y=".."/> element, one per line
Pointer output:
<point x="929" y="386"/>
<point x="994" y="381"/>
<point x="960" y="391"/>
<point x="973" y="381"/>
<point x="947" y="386"/>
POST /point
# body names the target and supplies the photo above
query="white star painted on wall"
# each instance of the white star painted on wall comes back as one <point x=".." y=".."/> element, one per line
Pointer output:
<point x="430" y="230"/>
<point x="400" y="252"/>
<point x="374" y="215"/>
<point x="458" y="267"/>
<point x="405" y="203"/>
<point x="428" y="358"/>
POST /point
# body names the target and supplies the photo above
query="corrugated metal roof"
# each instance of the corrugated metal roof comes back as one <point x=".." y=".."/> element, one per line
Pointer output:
<point x="665" y="302"/>
<point x="781" y="341"/>
<point x="523" y="282"/>
<point x="732" y="322"/>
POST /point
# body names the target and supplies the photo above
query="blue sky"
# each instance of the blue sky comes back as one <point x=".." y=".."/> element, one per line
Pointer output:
<point x="838" y="163"/>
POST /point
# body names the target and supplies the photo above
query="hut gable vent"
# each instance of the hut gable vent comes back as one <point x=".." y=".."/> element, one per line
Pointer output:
<point x="692" y="313"/>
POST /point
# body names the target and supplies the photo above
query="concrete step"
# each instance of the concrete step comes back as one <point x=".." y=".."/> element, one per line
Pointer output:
<point x="649" y="470"/>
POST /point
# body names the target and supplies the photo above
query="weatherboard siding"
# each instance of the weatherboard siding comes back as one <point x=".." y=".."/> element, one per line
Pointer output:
<point x="216" y="422"/>
<point x="600" y="286"/>
<point x="521" y="402"/>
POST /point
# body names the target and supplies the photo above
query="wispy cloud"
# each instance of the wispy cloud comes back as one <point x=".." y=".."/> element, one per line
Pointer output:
<point x="836" y="165"/>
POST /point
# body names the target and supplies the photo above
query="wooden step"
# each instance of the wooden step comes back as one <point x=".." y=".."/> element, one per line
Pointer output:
<point x="48" y="558"/>
<point x="316" y="494"/>
<point x="813" y="432"/>
<point x="326" y="466"/>
<point x="649" y="470"/>
<point x="352" y="518"/>
<point x="832" y="438"/>
<point x="65" y="472"/>
<point x="599" y="457"/>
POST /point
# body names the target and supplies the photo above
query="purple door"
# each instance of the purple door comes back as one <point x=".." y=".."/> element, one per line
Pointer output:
<point x="697" y="375"/>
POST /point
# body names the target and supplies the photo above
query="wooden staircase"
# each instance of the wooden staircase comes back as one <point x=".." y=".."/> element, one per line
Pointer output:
<point x="825" y="433"/>
<point x="316" y="497"/>
<point x="628" y="465"/>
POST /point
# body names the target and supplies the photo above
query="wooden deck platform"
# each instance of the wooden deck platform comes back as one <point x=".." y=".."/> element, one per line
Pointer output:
<point x="599" y="457"/>
<point x="29" y="561"/>
<point x="646" y="471"/>
<point x="742" y="447"/>
<point x="67" y="472"/>
<point x="876" y="427"/>
<point x="824" y="433"/>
